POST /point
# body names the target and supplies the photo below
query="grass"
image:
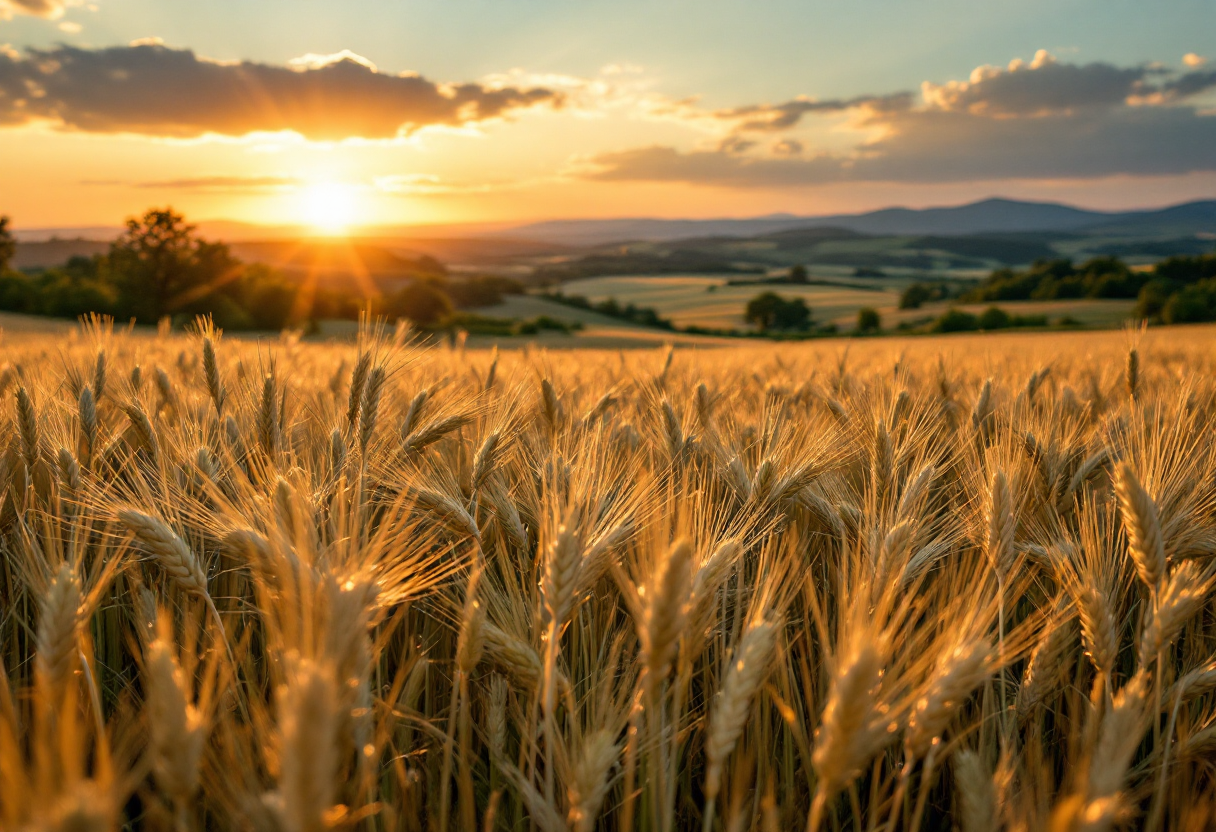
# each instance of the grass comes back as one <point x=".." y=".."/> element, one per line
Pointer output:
<point x="1088" y="311"/>
<point x="687" y="300"/>
<point x="895" y="584"/>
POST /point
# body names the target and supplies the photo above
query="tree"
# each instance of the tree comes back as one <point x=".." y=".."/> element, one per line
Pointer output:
<point x="956" y="320"/>
<point x="798" y="274"/>
<point x="1192" y="304"/>
<point x="868" y="319"/>
<point x="421" y="302"/>
<point x="8" y="246"/>
<point x="771" y="311"/>
<point x="17" y="293"/>
<point x="159" y="267"/>
<point x="914" y="296"/>
<point x="994" y="317"/>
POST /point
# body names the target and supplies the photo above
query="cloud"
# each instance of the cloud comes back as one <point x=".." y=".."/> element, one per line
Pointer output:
<point x="1194" y="61"/>
<point x="1041" y="87"/>
<point x="426" y="184"/>
<point x="708" y="167"/>
<point x="224" y="183"/>
<point x="49" y="9"/>
<point x="767" y="118"/>
<point x="1189" y="84"/>
<point x="1036" y="120"/>
<point x="148" y="88"/>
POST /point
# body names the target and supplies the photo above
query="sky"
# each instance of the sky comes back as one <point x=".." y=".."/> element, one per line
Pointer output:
<point x="340" y="114"/>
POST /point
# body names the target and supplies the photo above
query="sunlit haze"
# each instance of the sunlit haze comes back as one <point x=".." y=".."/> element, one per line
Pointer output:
<point x="330" y="208"/>
<point x="342" y="115"/>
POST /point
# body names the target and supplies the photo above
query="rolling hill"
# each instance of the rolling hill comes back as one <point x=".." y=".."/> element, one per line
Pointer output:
<point x="986" y="216"/>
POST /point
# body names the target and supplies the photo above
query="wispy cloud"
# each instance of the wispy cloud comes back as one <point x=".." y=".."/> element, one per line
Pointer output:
<point x="224" y="183"/>
<point x="430" y="185"/>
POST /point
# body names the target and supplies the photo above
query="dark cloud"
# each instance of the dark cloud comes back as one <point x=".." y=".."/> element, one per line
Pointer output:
<point x="154" y="90"/>
<point x="1042" y="120"/>
<point x="1144" y="141"/>
<point x="1190" y="84"/>
<point x="939" y="147"/>
<point x="1041" y="87"/>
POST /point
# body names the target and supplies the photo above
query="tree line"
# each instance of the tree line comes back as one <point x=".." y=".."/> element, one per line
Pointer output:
<point x="159" y="267"/>
<point x="1178" y="289"/>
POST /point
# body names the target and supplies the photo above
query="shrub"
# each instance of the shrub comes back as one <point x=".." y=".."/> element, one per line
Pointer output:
<point x="1192" y="304"/>
<point x="868" y="319"/>
<point x="480" y="290"/>
<point x="769" y="311"/>
<point x="63" y="296"/>
<point x="956" y="320"/>
<point x="421" y="303"/>
<point x="994" y="318"/>
<point x="17" y="293"/>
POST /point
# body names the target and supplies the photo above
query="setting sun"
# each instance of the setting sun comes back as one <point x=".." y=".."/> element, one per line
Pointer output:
<point x="329" y="207"/>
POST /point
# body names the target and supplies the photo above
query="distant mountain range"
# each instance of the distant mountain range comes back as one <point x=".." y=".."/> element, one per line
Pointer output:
<point x="985" y="217"/>
<point x="1026" y="231"/>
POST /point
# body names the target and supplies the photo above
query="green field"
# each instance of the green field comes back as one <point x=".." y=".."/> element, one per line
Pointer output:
<point x="705" y="300"/>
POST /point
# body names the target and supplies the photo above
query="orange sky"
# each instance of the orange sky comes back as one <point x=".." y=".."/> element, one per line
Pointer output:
<point x="92" y="134"/>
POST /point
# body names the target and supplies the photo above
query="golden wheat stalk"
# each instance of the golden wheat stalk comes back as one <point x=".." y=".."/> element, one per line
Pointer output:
<point x="55" y="639"/>
<point x="1145" y="542"/>
<point x="307" y="707"/>
<point x="169" y="550"/>
<point x="211" y="374"/>
<point x="591" y="778"/>
<point x="177" y="730"/>
<point x="749" y="665"/>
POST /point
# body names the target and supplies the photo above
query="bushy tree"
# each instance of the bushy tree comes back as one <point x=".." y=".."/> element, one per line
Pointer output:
<point x="1191" y="304"/>
<point x="956" y="320"/>
<point x="17" y="293"/>
<point x="8" y="245"/>
<point x="771" y="311"/>
<point x="913" y="296"/>
<point x="421" y="303"/>
<point x="63" y="293"/>
<point x="159" y="267"/>
<point x="868" y="319"/>
<point x="994" y="317"/>
<point x="798" y="274"/>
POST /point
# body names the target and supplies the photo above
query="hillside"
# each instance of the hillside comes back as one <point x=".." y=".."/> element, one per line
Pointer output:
<point x="986" y="216"/>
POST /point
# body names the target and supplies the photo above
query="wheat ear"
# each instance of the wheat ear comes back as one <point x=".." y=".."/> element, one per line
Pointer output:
<point x="848" y="734"/>
<point x="27" y="427"/>
<point x="169" y="550"/>
<point x="748" y="669"/>
<point x="357" y="379"/>
<point x="591" y="778"/>
<point x="974" y="793"/>
<point x="308" y="718"/>
<point x="58" y="621"/>
<point x="177" y="731"/>
<point x="211" y="374"/>
<point x="1145" y="542"/>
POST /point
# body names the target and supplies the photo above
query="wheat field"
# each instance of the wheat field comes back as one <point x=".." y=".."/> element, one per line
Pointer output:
<point x="917" y="585"/>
